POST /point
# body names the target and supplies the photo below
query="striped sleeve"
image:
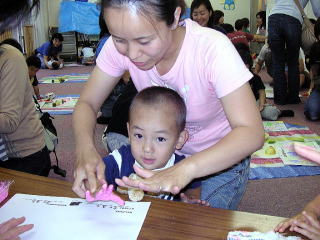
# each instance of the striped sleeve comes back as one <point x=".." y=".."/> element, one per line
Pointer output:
<point x="3" y="153"/>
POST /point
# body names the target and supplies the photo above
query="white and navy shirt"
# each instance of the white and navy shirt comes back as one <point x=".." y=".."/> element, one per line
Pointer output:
<point x="120" y="163"/>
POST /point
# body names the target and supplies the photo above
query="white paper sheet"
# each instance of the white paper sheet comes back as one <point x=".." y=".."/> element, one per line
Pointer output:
<point x="74" y="218"/>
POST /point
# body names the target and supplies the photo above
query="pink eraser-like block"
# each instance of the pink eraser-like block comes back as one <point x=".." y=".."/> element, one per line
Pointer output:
<point x="105" y="194"/>
<point x="4" y="189"/>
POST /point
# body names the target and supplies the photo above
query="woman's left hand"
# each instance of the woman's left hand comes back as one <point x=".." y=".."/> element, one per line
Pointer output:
<point x="171" y="180"/>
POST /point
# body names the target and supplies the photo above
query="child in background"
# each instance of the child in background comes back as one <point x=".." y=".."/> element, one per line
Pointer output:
<point x="268" y="112"/>
<point x="239" y="36"/>
<point x="34" y="64"/>
<point x="87" y="54"/>
<point x="156" y="128"/>
<point x="312" y="105"/>
<point x="49" y="52"/>
<point x="245" y="25"/>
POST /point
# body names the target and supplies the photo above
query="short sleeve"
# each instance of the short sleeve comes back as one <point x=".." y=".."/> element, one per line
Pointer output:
<point x="224" y="67"/>
<point x="249" y="36"/>
<point x="111" y="61"/>
<point x="46" y="49"/>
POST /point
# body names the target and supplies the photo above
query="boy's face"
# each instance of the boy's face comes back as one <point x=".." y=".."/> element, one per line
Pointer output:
<point x="153" y="135"/>
<point x="32" y="71"/>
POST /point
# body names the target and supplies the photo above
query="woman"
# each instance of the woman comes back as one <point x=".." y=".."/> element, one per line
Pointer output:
<point x="261" y="23"/>
<point x="202" y="13"/>
<point x="148" y="41"/>
<point x="49" y="52"/>
<point x="11" y="13"/>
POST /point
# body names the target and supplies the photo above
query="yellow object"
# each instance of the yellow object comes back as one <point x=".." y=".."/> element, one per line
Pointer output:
<point x="270" y="151"/>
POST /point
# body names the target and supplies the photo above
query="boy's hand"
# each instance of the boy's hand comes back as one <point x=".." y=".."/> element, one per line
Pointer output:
<point x="309" y="228"/>
<point x="290" y="223"/>
<point x="190" y="199"/>
<point x="12" y="228"/>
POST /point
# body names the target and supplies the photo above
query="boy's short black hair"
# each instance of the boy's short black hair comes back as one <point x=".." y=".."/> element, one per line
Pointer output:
<point x="13" y="43"/>
<point x="245" y="22"/>
<point x="162" y="95"/>
<point x="228" y="27"/>
<point x="33" y="61"/>
<point x="58" y="36"/>
<point x="238" y="25"/>
<point x="55" y="65"/>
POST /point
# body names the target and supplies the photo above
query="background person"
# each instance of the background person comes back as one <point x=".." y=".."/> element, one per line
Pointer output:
<point x="202" y="13"/>
<point x="11" y="13"/>
<point x="49" y="51"/>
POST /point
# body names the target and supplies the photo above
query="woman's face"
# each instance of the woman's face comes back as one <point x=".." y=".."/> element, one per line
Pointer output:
<point x="143" y="40"/>
<point x="56" y="42"/>
<point x="201" y="15"/>
<point x="259" y="21"/>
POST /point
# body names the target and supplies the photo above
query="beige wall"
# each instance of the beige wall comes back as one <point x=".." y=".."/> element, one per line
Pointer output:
<point x="53" y="12"/>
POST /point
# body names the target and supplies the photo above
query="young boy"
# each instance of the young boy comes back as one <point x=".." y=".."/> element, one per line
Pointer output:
<point x="157" y="118"/>
<point x="34" y="64"/>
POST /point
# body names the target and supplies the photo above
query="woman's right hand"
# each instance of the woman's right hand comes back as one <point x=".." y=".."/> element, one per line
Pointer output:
<point x="89" y="171"/>
<point x="10" y="229"/>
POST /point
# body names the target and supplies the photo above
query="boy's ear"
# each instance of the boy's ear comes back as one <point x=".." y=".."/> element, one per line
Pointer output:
<point x="128" y="129"/>
<point x="183" y="137"/>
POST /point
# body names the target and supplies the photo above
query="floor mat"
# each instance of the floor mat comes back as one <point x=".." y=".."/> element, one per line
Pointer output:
<point x="60" y="105"/>
<point x="277" y="158"/>
<point x="65" y="78"/>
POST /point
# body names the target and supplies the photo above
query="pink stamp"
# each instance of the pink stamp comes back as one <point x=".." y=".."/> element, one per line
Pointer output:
<point x="4" y="189"/>
<point x="105" y="194"/>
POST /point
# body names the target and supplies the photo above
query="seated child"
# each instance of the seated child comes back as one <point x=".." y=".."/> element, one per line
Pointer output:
<point x="312" y="105"/>
<point x="34" y="64"/>
<point x="156" y="128"/>
<point x="268" y="112"/>
<point x="87" y="54"/>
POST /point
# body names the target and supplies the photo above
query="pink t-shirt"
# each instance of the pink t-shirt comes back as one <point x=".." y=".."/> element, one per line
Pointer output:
<point x="206" y="69"/>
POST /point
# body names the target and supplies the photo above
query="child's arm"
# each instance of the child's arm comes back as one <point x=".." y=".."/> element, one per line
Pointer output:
<point x="46" y="59"/>
<point x="192" y="196"/>
<point x="37" y="92"/>
<point x="262" y="99"/>
<point x="309" y="216"/>
<point x="258" y="66"/>
<point x="259" y="38"/>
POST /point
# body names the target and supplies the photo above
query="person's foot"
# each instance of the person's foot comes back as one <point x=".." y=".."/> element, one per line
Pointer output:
<point x="312" y="117"/>
<point x="103" y="120"/>
<point x="286" y="113"/>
